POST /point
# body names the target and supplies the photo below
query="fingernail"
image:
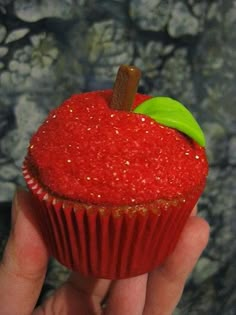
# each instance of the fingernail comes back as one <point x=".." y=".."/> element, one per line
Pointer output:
<point x="194" y="211"/>
<point x="15" y="205"/>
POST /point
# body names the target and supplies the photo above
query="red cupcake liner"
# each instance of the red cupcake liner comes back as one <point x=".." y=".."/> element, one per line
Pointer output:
<point x="110" y="242"/>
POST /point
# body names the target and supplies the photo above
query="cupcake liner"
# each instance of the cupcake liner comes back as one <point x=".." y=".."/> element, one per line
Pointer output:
<point x="109" y="242"/>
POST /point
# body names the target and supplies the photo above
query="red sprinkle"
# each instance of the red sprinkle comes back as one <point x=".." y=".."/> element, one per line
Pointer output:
<point x="87" y="152"/>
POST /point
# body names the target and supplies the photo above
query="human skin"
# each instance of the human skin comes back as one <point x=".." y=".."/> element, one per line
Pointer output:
<point x="24" y="265"/>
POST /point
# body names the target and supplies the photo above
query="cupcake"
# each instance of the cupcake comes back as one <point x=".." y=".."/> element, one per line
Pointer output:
<point x="115" y="186"/>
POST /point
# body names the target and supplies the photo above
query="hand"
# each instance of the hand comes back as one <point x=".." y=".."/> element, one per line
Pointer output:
<point x="24" y="265"/>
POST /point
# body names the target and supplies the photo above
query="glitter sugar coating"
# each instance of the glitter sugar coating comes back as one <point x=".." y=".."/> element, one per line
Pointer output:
<point x="87" y="152"/>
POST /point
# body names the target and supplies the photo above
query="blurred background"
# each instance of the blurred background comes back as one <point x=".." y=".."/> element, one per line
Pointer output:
<point x="186" y="49"/>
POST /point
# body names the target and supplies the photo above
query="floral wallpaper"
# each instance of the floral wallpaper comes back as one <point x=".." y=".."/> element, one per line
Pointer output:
<point x="185" y="49"/>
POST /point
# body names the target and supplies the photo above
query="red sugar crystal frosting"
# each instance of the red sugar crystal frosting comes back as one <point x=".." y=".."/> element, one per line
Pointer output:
<point x="87" y="152"/>
<point x="114" y="188"/>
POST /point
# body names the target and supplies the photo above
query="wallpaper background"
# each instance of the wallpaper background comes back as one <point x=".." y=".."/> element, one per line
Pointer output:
<point x="185" y="49"/>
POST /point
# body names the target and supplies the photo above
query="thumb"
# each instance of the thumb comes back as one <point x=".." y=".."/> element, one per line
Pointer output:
<point x="24" y="263"/>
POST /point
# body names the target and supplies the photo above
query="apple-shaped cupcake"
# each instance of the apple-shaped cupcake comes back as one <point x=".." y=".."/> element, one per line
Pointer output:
<point x="115" y="187"/>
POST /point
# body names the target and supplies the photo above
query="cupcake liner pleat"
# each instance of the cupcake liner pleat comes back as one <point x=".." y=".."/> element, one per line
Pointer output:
<point x="110" y="247"/>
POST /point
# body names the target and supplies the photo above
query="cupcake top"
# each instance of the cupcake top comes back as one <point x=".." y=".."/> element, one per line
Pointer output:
<point x="86" y="151"/>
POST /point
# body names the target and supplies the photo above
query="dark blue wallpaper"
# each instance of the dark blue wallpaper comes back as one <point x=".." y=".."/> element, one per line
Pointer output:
<point x="184" y="48"/>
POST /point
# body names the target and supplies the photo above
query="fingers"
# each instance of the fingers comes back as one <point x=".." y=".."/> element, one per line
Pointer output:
<point x="79" y="294"/>
<point x="95" y="289"/>
<point x="165" y="284"/>
<point x="24" y="263"/>
<point x="127" y="296"/>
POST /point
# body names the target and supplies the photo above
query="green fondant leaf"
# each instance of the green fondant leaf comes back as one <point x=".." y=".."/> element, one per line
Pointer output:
<point x="172" y="113"/>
